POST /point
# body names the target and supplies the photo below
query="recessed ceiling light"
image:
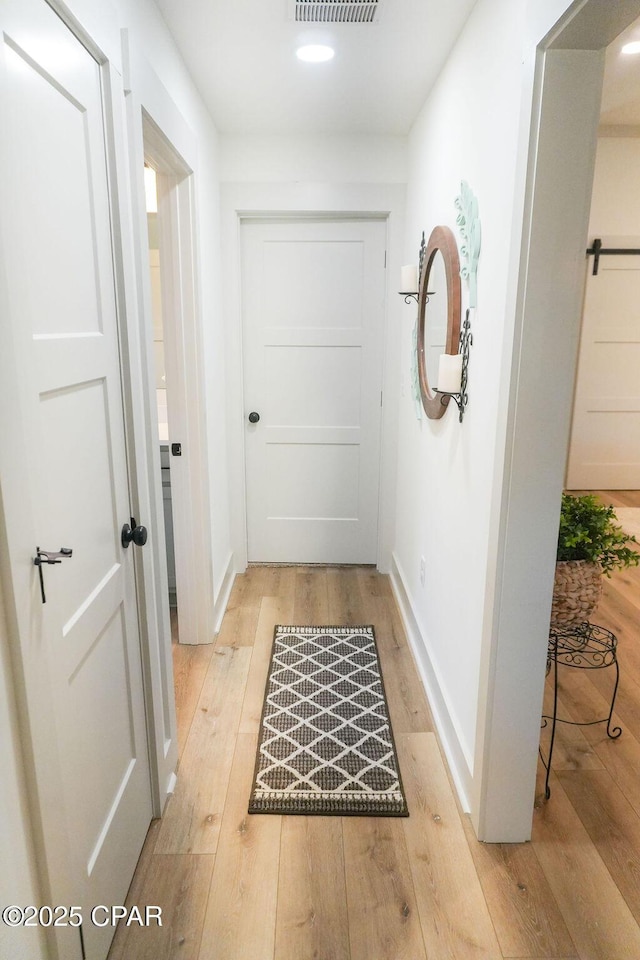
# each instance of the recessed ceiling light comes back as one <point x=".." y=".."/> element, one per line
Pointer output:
<point x="315" y="53"/>
<point x="633" y="47"/>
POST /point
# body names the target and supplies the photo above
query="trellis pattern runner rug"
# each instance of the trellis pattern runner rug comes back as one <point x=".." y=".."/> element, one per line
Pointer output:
<point x="326" y="745"/>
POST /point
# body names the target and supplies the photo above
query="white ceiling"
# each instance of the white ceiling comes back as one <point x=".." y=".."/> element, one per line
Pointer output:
<point x="241" y="55"/>
<point x="621" y="91"/>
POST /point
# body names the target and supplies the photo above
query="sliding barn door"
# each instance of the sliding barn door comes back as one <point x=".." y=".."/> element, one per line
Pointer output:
<point x="605" y="438"/>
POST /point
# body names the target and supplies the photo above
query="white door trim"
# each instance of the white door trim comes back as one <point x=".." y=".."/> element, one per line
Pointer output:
<point x="155" y="632"/>
<point x="183" y="359"/>
<point x="334" y="201"/>
<point x="157" y="131"/>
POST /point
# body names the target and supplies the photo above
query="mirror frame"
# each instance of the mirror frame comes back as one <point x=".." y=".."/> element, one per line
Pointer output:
<point x="443" y="240"/>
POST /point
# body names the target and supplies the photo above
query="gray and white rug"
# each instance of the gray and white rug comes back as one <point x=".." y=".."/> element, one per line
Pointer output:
<point x="326" y="745"/>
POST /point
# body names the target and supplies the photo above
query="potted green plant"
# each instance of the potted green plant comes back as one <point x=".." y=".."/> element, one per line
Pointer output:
<point x="590" y="543"/>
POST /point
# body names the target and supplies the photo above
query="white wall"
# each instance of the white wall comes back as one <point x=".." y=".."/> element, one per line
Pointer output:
<point x="326" y="159"/>
<point x="445" y="469"/>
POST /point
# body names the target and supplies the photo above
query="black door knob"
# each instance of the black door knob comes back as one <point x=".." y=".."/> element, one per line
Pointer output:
<point x="136" y="534"/>
<point x="254" y="417"/>
<point x="139" y="535"/>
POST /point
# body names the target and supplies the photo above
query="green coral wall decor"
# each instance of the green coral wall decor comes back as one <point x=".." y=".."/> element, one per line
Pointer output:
<point x="469" y="225"/>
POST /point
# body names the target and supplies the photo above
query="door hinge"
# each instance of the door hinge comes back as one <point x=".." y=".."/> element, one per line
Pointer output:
<point x="385" y="259"/>
<point x="381" y="398"/>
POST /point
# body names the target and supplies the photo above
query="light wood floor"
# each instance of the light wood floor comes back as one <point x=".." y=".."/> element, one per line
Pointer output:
<point x="240" y="887"/>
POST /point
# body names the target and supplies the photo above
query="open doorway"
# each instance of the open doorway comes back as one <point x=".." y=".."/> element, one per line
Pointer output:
<point x="178" y="387"/>
<point x="561" y="154"/>
<point x="604" y="452"/>
<point x="161" y="387"/>
<point x="595" y="764"/>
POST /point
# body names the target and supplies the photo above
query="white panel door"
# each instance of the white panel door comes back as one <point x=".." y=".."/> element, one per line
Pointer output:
<point x="313" y="302"/>
<point x="605" y="437"/>
<point x="80" y="654"/>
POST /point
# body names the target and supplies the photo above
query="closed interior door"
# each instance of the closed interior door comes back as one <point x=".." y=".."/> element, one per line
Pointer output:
<point x="80" y="650"/>
<point x="313" y="304"/>
<point x="605" y="438"/>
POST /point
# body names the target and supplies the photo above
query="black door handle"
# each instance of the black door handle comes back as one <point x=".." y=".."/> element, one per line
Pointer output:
<point x="135" y="533"/>
<point x="254" y="417"/>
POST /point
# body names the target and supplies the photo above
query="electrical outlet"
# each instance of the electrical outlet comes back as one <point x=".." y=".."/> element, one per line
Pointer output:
<point x="423" y="570"/>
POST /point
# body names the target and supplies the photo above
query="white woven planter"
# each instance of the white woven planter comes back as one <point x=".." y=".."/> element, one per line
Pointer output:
<point x="576" y="591"/>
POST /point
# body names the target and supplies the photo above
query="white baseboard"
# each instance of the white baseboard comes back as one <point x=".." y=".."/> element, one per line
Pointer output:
<point x="221" y="601"/>
<point x="456" y="758"/>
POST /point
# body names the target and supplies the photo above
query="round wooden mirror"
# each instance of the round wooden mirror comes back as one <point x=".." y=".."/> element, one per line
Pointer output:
<point x="438" y="315"/>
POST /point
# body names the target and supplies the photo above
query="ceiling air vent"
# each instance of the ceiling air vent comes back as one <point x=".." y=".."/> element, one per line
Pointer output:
<point x="334" y="11"/>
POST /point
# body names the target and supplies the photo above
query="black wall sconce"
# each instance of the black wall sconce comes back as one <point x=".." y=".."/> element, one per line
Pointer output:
<point x="410" y="277"/>
<point x="460" y="397"/>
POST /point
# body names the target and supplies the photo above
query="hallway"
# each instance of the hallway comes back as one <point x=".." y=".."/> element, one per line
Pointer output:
<point x="478" y="118"/>
<point x="239" y="887"/>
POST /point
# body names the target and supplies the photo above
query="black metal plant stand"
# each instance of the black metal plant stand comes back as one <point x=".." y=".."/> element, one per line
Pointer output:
<point x="584" y="646"/>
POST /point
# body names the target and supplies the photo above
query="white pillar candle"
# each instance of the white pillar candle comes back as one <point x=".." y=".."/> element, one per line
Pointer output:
<point x="450" y="372"/>
<point x="409" y="279"/>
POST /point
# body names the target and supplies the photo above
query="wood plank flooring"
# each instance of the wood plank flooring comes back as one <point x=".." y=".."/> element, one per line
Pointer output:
<point x="239" y="887"/>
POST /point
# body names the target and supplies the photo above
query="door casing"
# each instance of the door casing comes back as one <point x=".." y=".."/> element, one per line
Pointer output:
<point x="185" y="376"/>
<point x="333" y="202"/>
